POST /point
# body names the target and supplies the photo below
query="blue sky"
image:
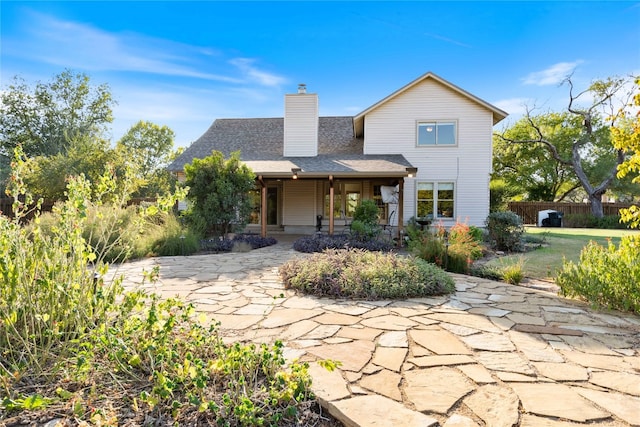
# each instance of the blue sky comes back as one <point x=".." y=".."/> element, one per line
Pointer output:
<point x="184" y="64"/>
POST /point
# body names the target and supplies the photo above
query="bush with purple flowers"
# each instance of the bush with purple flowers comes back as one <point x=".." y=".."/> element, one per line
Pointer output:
<point x="311" y="244"/>
<point x="226" y="245"/>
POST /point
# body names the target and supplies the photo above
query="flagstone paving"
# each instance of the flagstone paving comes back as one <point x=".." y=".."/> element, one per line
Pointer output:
<point x="490" y="354"/>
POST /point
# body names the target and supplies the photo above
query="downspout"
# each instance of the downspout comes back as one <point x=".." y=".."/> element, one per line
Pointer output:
<point x="400" y="208"/>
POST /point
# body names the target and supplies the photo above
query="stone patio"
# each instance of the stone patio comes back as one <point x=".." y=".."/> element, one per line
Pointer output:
<point x="491" y="354"/>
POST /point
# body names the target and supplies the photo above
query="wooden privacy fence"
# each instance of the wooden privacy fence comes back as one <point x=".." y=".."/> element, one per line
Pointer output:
<point x="528" y="211"/>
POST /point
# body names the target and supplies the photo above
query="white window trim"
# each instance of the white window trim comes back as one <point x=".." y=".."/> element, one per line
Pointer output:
<point x="420" y="122"/>
<point x="435" y="199"/>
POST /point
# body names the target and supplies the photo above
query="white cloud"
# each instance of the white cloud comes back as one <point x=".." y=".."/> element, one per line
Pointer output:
<point x="553" y="75"/>
<point x="80" y="46"/>
<point x="245" y="65"/>
<point x="514" y="106"/>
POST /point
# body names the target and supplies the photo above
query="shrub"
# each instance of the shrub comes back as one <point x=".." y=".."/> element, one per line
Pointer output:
<point x="364" y="231"/>
<point x="490" y="272"/>
<point x="224" y="244"/>
<point x="76" y="346"/>
<point x="461" y="236"/>
<point x="365" y="225"/>
<point x="366" y="212"/>
<point x="477" y="233"/>
<point x="429" y="247"/>
<point x="513" y="273"/>
<point x="361" y="274"/>
<point x="311" y="244"/>
<point x="605" y="277"/>
<point x="453" y="250"/>
<point x="590" y="221"/>
<point x="120" y="233"/>
<point x="175" y="239"/>
<point x="505" y="231"/>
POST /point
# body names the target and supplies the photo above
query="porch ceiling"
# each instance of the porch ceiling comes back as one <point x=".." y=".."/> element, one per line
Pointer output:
<point x="336" y="165"/>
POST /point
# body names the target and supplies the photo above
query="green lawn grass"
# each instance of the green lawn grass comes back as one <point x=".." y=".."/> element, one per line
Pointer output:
<point x="559" y="244"/>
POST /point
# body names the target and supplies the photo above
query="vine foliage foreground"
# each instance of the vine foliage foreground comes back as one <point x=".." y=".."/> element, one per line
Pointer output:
<point x="75" y="345"/>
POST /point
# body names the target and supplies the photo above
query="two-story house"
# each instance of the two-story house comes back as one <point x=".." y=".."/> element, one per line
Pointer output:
<point x="423" y="151"/>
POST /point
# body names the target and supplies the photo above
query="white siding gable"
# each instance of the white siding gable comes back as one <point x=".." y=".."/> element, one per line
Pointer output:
<point x="301" y="125"/>
<point x="391" y="128"/>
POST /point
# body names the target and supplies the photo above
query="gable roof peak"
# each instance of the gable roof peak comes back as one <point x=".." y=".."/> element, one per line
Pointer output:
<point x="358" y="120"/>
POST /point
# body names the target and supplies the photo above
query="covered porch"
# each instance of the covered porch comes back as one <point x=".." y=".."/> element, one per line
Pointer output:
<point x="304" y="195"/>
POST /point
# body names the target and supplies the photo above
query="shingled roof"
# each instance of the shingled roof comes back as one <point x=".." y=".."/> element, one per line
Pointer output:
<point x="260" y="142"/>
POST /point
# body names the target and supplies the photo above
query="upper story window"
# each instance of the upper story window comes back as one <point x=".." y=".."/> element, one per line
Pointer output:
<point x="437" y="133"/>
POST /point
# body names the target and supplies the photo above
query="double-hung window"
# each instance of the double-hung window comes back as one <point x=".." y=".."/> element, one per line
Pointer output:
<point x="346" y="198"/>
<point x="435" y="199"/>
<point x="432" y="133"/>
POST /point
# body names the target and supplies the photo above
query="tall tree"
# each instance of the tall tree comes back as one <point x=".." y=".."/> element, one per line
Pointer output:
<point x="45" y="118"/>
<point x="626" y="136"/>
<point x="219" y="192"/>
<point x="586" y="150"/>
<point x="527" y="170"/>
<point x="149" y="148"/>
<point x="148" y="145"/>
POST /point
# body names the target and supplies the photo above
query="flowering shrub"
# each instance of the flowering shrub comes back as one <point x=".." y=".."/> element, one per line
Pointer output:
<point x="310" y="244"/>
<point x="227" y="245"/>
<point x="454" y="250"/>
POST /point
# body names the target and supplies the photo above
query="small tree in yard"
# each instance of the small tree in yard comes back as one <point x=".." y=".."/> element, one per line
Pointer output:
<point x="219" y="193"/>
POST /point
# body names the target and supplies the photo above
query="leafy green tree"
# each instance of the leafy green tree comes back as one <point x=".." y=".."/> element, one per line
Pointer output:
<point x="47" y="176"/>
<point x="500" y="193"/>
<point x="149" y="148"/>
<point x="219" y="193"/>
<point x="529" y="171"/>
<point x="626" y="136"/>
<point x="45" y="119"/>
<point x="148" y="145"/>
<point x="578" y="140"/>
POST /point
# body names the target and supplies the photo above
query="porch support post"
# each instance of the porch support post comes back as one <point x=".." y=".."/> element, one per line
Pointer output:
<point x="331" y="205"/>
<point x="263" y="207"/>
<point x="400" y="208"/>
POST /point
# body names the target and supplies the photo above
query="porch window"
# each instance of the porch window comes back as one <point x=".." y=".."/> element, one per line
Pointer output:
<point x="254" y="216"/>
<point x="435" y="199"/>
<point x="436" y="133"/>
<point x="272" y="206"/>
<point x="337" y="204"/>
<point x="346" y="198"/>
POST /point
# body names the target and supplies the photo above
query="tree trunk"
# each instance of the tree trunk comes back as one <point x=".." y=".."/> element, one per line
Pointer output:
<point x="596" y="205"/>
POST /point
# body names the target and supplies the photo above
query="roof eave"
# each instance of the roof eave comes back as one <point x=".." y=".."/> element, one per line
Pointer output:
<point x="335" y="175"/>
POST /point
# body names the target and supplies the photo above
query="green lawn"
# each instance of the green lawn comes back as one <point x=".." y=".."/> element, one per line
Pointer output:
<point x="560" y="244"/>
